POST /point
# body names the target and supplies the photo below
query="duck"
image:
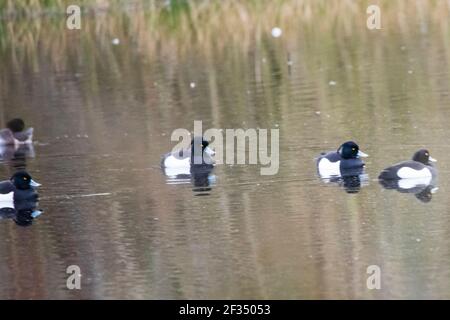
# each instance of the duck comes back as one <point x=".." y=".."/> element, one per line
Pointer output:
<point x="419" y="167"/>
<point x="346" y="159"/>
<point x="20" y="187"/>
<point x="15" y="133"/>
<point x="183" y="161"/>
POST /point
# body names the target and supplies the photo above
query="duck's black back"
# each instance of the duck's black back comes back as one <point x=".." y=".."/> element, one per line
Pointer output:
<point x="6" y="187"/>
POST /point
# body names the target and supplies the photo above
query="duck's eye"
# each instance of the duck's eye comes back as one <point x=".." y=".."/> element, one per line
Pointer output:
<point x="25" y="178"/>
<point x="427" y="154"/>
<point x="353" y="149"/>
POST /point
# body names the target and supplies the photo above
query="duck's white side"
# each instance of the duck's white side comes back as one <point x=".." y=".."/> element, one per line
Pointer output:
<point x="328" y="169"/>
<point x="7" y="200"/>
<point x="409" y="173"/>
<point x="174" y="162"/>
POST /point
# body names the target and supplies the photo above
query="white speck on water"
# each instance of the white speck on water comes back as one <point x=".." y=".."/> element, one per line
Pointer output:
<point x="193" y="85"/>
<point x="276" y="32"/>
<point x="418" y="240"/>
<point x="290" y="63"/>
<point x="94" y="195"/>
<point x="156" y="219"/>
<point x="332" y="83"/>
<point x="66" y="136"/>
<point x="403" y="48"/>
<point x="78" y="135"/>
<point x="317" y="112"/>
<point x="276" y="125"/>
<point x="86" y="136"/>
<point x="163" y="134"/>
<point x="410" y="71"/>
<point x="115" y="41"/>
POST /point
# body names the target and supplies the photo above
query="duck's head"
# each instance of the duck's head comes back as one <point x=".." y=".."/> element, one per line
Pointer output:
<point x="350" y="150"/>
<point x="201" y="153"/>
<point x="423" y="156"/>
<point x="16" y="125"/>
<point x="23" y="181"/>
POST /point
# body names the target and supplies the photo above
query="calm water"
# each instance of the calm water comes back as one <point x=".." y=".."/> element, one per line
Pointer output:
<point x="104" y="119"/>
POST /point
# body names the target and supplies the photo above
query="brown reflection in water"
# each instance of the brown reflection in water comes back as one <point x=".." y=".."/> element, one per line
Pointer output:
<point x="103" y="115"/>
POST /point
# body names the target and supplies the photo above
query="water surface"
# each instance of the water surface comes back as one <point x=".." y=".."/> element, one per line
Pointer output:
<point x="104" y="118"/>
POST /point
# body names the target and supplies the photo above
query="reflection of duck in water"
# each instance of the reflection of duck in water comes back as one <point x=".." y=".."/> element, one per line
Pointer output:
<point x="193" y="165"/>
<point x="423" y="189"/>
<point x="350" y="180"/>
<point x="199" y="176"/>
<point x="18" y="199"/>
<point x="343" y="167"/>
<point x="16" y="155"/>
<point x="417" y="176"/>
<point x="22" y="212"/>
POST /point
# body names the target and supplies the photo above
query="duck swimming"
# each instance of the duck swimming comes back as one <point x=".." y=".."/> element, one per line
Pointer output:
<point x="15" y="133"/>
<point x="197" y="154"/>
<point x="420" y="167"/>
<point x="346" y="159"/>
<point x="20" y="187"/>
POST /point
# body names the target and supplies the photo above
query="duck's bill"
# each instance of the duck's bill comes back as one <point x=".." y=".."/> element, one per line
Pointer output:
<point x="210" y="152"/>
<point x="432" y="159"/>
<point x="35" y="184"/>
<point x="362" y="154"/>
